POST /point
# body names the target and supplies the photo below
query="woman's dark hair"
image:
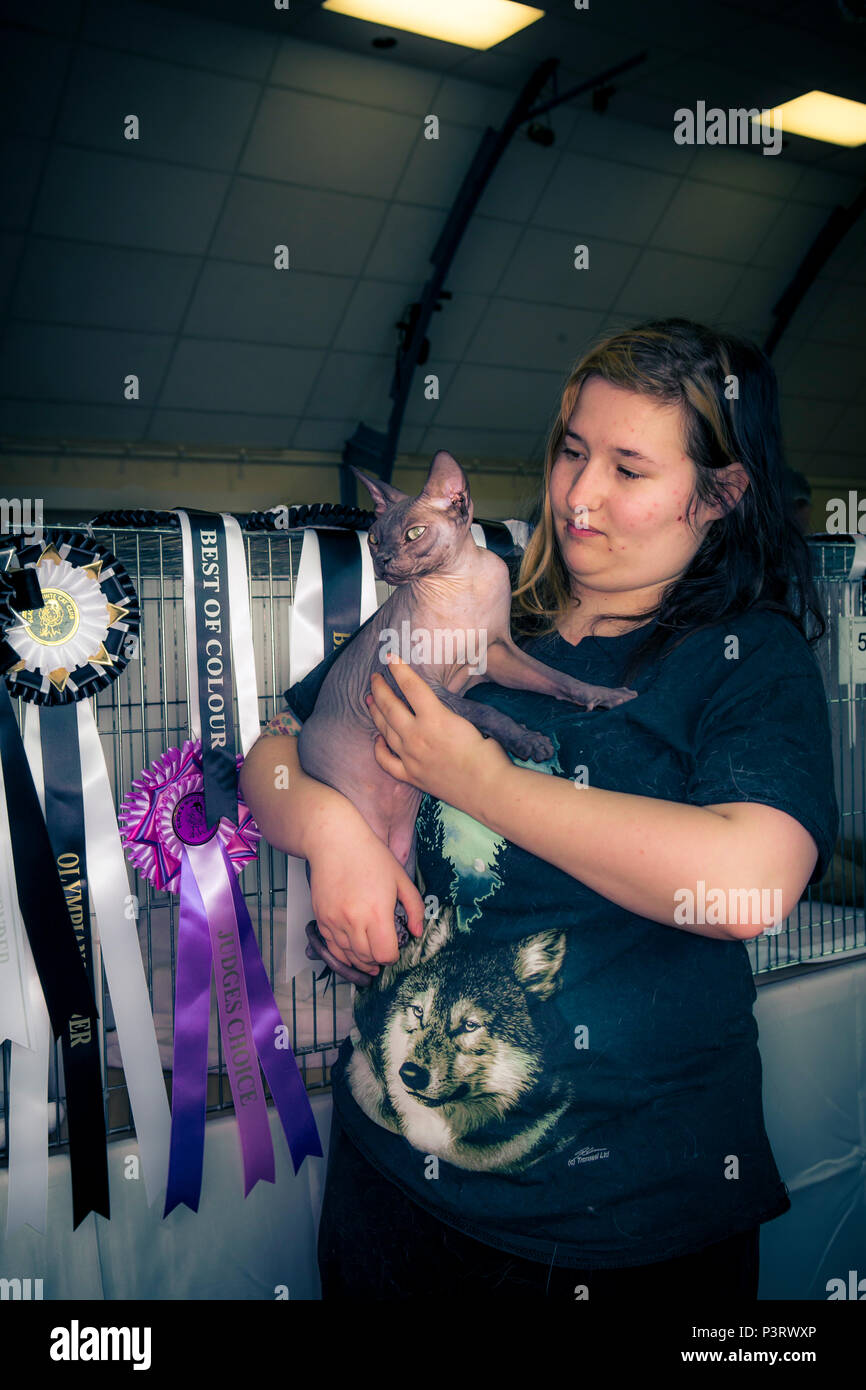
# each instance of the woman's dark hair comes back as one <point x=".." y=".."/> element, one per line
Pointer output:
<point x="754" y="556"/>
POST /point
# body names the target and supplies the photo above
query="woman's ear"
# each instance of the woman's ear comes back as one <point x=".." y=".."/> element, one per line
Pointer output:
<point x="734" y="480"/>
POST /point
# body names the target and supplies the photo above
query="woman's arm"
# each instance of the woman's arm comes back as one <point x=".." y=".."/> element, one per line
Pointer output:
<point x="642" y="853"/>
<point x="355" y="880"/>
<point x="638" y="851"/>
<point x="290" y="808"/>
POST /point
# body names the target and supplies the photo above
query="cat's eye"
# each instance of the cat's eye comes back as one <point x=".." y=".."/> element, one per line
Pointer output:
<point x="414" y="532"/>
<point x="373" y="540"/>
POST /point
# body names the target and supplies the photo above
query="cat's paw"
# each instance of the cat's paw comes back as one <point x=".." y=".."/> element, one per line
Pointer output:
<point x="598" y="696"/>
<point x="530" y="746"/>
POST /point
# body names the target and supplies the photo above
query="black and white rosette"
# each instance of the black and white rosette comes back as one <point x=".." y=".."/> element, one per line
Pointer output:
<point x="76" y="643"/>
<point x="335" y="594"/>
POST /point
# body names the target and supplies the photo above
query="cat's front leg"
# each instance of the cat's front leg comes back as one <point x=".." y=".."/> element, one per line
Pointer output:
<point x="526" y="744"/>
<point x="508" y="665"/>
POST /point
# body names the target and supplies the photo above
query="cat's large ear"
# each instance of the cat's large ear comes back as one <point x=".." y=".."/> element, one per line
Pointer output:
<point x="382" y="493"/>
<point x="447" y="486"/>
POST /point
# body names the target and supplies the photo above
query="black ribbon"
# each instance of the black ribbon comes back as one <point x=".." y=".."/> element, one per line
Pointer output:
<point x="58" y="962"/>
<point x="340" y="556"/>
<point x="64" y="818"/>
<point x="214" y="664"/>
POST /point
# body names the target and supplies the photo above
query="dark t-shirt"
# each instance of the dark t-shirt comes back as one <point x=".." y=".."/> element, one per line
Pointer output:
<point x="547" y="1071"/>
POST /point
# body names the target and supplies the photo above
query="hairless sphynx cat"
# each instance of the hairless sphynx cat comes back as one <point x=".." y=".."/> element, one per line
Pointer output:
<point x="447" y="585"/>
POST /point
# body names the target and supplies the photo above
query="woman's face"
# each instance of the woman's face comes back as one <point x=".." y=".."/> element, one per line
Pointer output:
<point x="619" y="489"/>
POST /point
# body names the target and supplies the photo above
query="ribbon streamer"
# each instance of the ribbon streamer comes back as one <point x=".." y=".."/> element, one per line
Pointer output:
<point x="82" y="1072"/>
<point x="24" y="1021"/>
<point x="121" y="956"/>
<point x="169" y="842"/>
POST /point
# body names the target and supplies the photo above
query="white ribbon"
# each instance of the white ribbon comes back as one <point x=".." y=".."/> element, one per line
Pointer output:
<point x="27" y="1112"/>
<point x="858" y="563"/>
<point x="306" y="650"/>
<point x="111" y="900"/>
<point x="189" y="624"/>
<point x="24" y="1020"/>
<point x="14" y="1019"/>
<point x="243" y="654"/>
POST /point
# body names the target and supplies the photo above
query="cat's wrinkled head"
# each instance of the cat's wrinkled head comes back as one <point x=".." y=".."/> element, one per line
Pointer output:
<point x="415" y="536"/>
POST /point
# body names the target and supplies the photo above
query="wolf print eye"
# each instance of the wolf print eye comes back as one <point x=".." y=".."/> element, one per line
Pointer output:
<point x="414" y="532"/>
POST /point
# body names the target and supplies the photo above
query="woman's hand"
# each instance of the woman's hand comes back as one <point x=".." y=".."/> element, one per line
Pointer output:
<point x="433" y="748"/>
<point x="355" y="882"/>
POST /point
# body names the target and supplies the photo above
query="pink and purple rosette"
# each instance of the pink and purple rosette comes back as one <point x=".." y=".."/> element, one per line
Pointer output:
<point x="168" y="840"/>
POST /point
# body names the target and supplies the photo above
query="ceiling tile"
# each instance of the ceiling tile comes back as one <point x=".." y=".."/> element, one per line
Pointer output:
<point x="352" y="384"/>
<point x="824" y="372"/>
<point x="593" y="197"/>
<point x="222" y="427"/>
<point x="163" y="32"/>
<point x="403" y="246"/>
<point x="665" y="283"/>
<point x="720" y="222"/>
<point x="826" y="187"/>
<point x="809" y="424"/>
<point x="790" y="236"/>
<point x="542" y="269"/>
<point x="501" y="397"/>
<point x="323" y="231"/>
<point x="517" y="334"/>
<point x="373" y="310"/>
<point x="72" y="420"/>
<point x="20" y="166"/>
<point x="240" y="377"/>
<point x="474" y="444"/>
<point x="32" y="68"/>
<point x="754" y="297"/>
<point x="323" y="143"/>
<point x="470" y="103"/>
<point x="362" y="79"/>
<point x="185" y="116"/>
<point x="849" y="434"/>
<point x="842" y="318"/>
<point x="267" y="305"/>
<point x="103" y="286"/>
<point x="419" y="410"/>
<point x="53" y="362"/>
<point x="451" y="329"/>
<point x="518" y="180"/>
<point x="628" y="142"/>
<point x="747" y="168"/>
<point x="11" y="247"/>
<point x="436" y="168"/>
<point x="105" y="197"/>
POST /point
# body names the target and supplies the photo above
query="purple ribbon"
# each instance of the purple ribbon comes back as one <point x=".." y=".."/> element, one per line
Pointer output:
<point x="215" y="928"/>
<point x="189" y="1066"/>
<point x="278" y="1062"/>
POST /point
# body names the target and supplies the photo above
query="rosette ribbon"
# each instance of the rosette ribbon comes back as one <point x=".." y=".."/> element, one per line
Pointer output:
<point x="71" y="645"/>
<point x="170" y="843"/>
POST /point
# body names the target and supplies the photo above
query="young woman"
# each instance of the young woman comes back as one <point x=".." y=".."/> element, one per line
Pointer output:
<point x="555" y="1090"/>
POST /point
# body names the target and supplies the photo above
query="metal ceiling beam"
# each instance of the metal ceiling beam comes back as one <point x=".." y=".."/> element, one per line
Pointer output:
<point x="838" y="224"/>
<point x="370" y="449"/>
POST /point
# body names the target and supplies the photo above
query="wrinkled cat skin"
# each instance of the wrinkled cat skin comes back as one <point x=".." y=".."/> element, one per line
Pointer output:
<point x="443" y="582"/>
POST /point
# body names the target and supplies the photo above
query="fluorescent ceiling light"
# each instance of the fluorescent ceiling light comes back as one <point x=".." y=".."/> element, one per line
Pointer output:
<point x="472" y="23"/>
<point x="821" y="116"/>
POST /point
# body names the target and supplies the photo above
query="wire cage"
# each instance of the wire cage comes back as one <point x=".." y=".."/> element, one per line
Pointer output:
<point x="145" y="711"/>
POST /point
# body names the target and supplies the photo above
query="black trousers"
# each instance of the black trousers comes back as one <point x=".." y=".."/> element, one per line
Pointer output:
<point x="375" y="1243"/>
